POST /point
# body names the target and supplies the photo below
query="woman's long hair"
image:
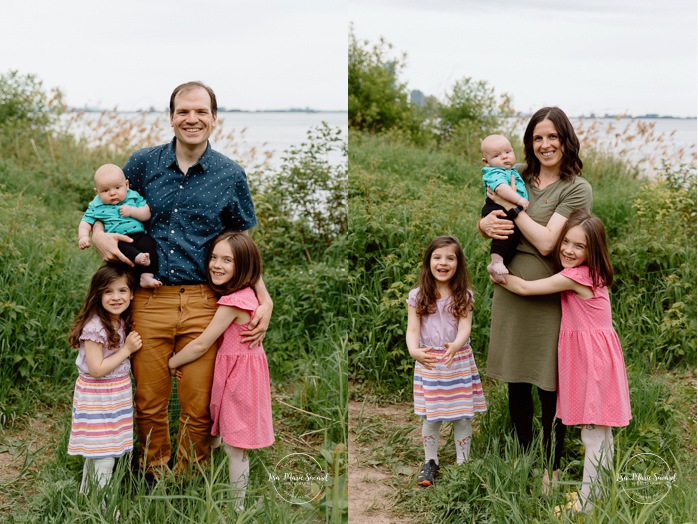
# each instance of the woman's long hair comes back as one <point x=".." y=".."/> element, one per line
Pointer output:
<point x="247" y="262"/>
<point x="92" y="306"/>
<point x="459" y="283"/>
<point x="598" y="259"/>
<point x="571" y="163"/>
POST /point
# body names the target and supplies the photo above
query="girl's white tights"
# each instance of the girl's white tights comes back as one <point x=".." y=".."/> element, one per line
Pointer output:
<point x="598" y="453"/>
<point x="239" y="469"/>
<point x="462" y="435"/>
<point x="96" y="469"/>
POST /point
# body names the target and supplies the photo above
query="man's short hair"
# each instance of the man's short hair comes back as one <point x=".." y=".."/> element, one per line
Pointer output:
<point x="188" y="86"/>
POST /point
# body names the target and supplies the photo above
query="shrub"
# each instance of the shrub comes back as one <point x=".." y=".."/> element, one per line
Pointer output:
<point x="26" y="110"/>
<point x="655" y="262"/>
<point x="377" y="101"/>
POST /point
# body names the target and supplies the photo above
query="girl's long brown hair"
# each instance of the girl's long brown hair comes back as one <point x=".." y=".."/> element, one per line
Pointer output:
<point x="571" y="163"/>
<point x="92" y="306"/>
<point x="246" y="258"/>
<point x="459" y="284"/>
<point x="598" y="259"/>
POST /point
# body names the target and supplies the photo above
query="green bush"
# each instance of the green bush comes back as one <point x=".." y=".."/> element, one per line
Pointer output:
<point x="377" y="100"/>
<point x="26" y="109"/>
<point x="654" y="258"/>
<point x="470" y="112"/>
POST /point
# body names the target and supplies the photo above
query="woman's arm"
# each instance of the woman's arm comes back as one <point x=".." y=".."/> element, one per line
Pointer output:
<point x="224" y="316"/>
<point x="545" y="286"/>
<point x="464" y="326"/>
<point x="544" y="238"/>
<point x="99" y="365"/>
<point x="420" y="354"/>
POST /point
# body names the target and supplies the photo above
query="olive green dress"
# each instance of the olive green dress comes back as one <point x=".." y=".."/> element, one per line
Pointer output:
<point x="524" y="330"/>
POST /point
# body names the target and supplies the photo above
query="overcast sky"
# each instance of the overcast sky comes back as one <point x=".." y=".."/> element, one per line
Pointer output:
<point x="257" y="54"/>
<point x="615" y="56"/>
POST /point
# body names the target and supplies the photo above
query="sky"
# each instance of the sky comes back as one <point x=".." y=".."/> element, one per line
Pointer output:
<point x="585" y="56"/>
<point x="261" y="54"/>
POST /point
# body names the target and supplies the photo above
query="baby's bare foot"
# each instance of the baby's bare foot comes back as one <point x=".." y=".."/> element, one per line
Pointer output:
<point x="148" y="280"/>
<point x="142" y="259"/>
<point x="496" y="271"/>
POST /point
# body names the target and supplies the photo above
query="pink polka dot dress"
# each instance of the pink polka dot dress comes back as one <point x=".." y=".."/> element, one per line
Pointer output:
<point x="241" y="396"/>
<point x="593" y="386"/>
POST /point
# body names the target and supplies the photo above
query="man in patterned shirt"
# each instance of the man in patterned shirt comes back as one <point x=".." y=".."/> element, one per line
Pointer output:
<point x="194" y="193"/>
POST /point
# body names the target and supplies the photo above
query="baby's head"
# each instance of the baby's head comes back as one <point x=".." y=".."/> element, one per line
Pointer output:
<point x="110" y="184"/>
<point x="497" y="152"/>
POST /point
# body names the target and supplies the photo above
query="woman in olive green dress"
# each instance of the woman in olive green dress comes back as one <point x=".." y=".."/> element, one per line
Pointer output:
<point x="524" y="330"/>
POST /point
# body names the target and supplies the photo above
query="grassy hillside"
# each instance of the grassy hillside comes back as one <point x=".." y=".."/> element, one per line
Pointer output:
<point x="45" y="185"/>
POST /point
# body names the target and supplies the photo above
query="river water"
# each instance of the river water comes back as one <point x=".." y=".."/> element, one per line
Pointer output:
<point x="261" y="138"/>
<point x="249" y="138"/>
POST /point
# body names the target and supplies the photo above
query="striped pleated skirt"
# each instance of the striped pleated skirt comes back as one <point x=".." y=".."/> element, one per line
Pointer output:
<point x="443" y="393"/>
<point x="102" y="422"/>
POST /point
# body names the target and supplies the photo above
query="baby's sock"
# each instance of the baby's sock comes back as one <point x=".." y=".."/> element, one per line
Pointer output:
<point x="595" y="442"/>
<point x="430" y="439"/>
<point x="239" y="469"/>
<point x="462" y="434"/>
<point x="96" y="469"/>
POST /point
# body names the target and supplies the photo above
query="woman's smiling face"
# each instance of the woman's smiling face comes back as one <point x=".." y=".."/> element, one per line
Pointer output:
<point x="546" y="145"/>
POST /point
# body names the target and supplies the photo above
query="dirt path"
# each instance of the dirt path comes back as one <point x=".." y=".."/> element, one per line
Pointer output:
<point x="371" y="489"/>
<point x="22" y="452"/>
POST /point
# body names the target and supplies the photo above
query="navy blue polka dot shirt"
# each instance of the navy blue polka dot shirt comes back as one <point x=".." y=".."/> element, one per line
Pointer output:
<point x="189" y="209"/>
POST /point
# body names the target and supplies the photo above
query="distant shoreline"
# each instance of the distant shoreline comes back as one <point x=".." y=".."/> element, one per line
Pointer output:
<point x="648" y="116"/>
<point x="220" y="110"/>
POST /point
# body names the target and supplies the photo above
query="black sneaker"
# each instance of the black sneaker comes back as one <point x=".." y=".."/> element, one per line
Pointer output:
<point x="428" y="474"/>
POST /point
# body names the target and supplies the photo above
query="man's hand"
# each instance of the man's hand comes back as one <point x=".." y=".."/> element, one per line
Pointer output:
<point x="258" y="325"/>
<point x="107" y="246"/>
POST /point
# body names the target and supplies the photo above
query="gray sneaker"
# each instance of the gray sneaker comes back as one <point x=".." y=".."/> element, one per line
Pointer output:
<point x="428" y="475"/>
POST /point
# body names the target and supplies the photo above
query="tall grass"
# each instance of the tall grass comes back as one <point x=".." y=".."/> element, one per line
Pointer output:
<point x="45" y="185"/>
<point x="400" y="197"/>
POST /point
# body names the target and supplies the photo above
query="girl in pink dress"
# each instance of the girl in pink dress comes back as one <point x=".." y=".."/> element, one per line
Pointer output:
<point x="593" y="386"/>
<point x="446" y="380"/>
<point x="241" y="395"/>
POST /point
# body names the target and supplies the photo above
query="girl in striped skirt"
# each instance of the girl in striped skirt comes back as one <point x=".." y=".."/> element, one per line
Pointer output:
<point x="102" y="421"/>
<point x="446" y="381"/>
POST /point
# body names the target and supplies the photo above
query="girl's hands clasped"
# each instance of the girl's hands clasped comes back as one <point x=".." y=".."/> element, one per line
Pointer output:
<point x="451" y="351"/>
<point x="424" y="357"/>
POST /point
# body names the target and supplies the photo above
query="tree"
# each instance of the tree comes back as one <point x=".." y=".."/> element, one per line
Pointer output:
<point x="25" y="107"/>
<point x="378" y="101"/>
<point x="473" y="104"/>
